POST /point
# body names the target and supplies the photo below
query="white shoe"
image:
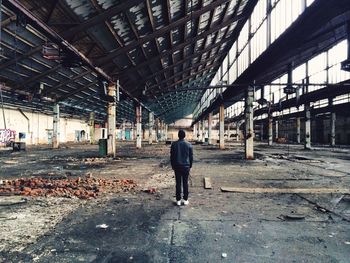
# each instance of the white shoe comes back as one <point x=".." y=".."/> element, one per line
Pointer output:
<point x="178" y="203"/>
<point x="186" y="202"/>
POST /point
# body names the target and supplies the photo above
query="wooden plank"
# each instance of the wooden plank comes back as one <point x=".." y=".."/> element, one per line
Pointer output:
<point x="207" y="183"/>
<point x="285" y="190"/>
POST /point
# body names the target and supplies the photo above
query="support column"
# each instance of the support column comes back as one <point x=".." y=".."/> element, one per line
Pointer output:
<point x="194" y="132"/>
<point x="270" y="139"/>
<point x="228" y="131"/>
<point x="333" y="119"/>
<point x="249" y="124"/>
<point x="111" y="108"/>
<point x="166" y="132"/>
<point x="92" y="127"/>
<point x="123" y="130"/>
<point x="237" y="131"/>
<point x="161" y="130"/>
<point x="157" y="130"/>
<point x="307" y="126"/>
<point x="138" y="127"/>
<point x="56" y="126"/>
<point x="221" y="126"/>
<point x="132" y="137"/>
<point x="298" y="130"/>
<point x="276" y="130"/>
<point x="261" y="131"/>
<point x="150" y="127"/>
<point x="210" y="120"/>
<point x="203" y="131"/>
<point x="198" y="131"/>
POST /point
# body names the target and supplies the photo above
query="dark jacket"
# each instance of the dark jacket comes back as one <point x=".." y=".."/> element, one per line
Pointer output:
<point x="181" y="154"/>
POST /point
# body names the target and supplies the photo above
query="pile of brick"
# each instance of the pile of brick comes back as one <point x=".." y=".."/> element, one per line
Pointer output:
<point x="83" y="188"/>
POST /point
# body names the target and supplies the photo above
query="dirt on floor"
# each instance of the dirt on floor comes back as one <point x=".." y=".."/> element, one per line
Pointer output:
<point x="93" y="209"/>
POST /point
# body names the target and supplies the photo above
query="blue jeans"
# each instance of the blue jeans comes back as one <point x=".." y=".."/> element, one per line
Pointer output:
<point x="181" y="176"/>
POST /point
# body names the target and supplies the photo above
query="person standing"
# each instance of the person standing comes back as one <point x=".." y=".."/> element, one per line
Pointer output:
<point x="181" y="157"/>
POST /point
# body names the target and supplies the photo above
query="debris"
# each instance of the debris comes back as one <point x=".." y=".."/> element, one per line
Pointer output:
<point x="285" y="190"/>
<point x="347" y="242"/>
<point x="12" y="200"/>
<point x="102" y="226"/>
<point x="151" y="190"/>
<point x="294" y="216"/>
<point x="323" y="209"/>
<point x="207" y="183"/>
<point x="224" y="255"/>
<point x="81" y="188"/>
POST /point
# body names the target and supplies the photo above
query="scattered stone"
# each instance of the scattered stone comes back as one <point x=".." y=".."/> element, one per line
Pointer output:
<point x="224" y="255"/>
<point x="102" y="226"/>
<point x="79" y="188"/>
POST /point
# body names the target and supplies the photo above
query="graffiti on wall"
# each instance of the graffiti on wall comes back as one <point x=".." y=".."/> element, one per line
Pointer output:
<point x="7" y="135"/>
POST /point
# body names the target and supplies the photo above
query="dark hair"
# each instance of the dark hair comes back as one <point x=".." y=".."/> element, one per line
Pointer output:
<point x="181" y="134"/>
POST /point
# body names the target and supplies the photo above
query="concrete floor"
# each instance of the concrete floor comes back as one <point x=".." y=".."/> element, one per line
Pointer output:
<point x="144" y="227"/>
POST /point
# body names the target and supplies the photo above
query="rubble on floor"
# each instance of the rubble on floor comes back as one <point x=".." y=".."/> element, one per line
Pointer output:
<point x="83" y="188"/>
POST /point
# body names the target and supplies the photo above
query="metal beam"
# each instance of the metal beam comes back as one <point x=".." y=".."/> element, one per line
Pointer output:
<point x="188" y="77"/>
<point x="65" y="83"/>
<point x="62" y="98"/>
<point x="21" y="57"/>
<point x="108" y="58"/>
<point x="100" y="18"/>
<point x="209" y="48"/>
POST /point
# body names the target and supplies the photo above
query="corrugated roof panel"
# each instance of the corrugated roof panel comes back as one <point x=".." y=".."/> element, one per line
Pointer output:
<point x="231" y="8"/>
<point x="207" y="2"/>
<point x="218" y="13"/>
<point x="150" y="48"/>
<point x="83" y="8"/>
<point x="163" y="43"/>
<point x="192" y="5"/>
<point x="176" y="9"/>
<point x="159" y="13"/>
<point x="105" y="4"/>
<point x="121" y="25"/>
<point x="139" y="16"/>
<point x="203" y="22"/>
<point x="177" y="35"/>
<point x="190" y="26"/>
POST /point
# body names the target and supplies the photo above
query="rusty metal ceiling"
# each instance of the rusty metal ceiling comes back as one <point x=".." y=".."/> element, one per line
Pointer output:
<point x="153" y="47"/>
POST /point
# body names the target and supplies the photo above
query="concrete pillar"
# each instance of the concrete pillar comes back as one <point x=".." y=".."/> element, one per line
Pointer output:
<point x="166" y="132"/>
<point x="270" y="139"/>
<point x="228" y="131"/>
<point x="132" y="137"/>
<point x="162" y="130"/>
<point x="307" y="126"/>
<point x="92" y="127"/>
<point x="203" y="130"/>
<point x="261" y="131"/>
<point x="276" y="130"/>
<point x="195" y="132"/>
<point x="237" y="132"/>
<point x="138" y="126"/>
<point x="298" y="130"/>
<point x="157" y="130"/>
<point x="210" y="120"/>
<point x="123" y="131"/>
<point x="333" y="119"/>
<point x="221" y="127"/>
<point x="198" y="131"/>
<point x="249" y="124"/>
<point x="56" y="126"/>
<point x="111" y="111"/>
<point x="150" y="127"/>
